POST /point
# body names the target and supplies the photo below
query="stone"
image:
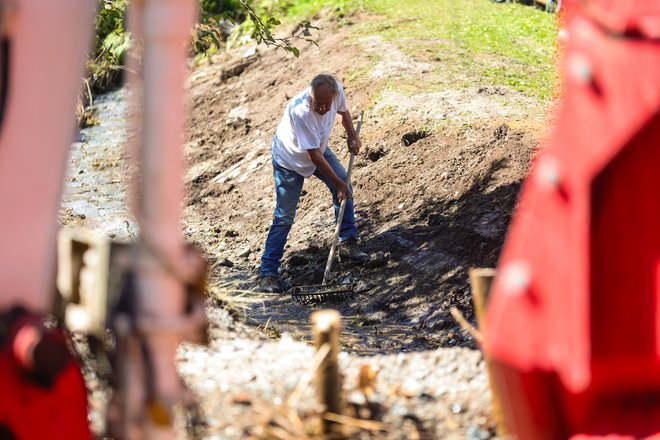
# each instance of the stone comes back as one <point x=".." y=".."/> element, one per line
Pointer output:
<point x="226" y="262"/>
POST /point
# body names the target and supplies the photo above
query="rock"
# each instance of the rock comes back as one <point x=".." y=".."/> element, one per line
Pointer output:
<point x="244" y="253"/>
<point x="400" y="411"/>
<point x="377" y="259"/>
<point x="427" y="397"/>
<point x="231" y="233"/>
<point x="250" y="52"/>
<point x="411" y="387"/>
<point x="357" y="398"/>
<point x="456" y="408"/>
<point x="347" y="279"/>
<point x="226" y="262"/>
<point x="476" y="433"/>
<point x="405" y="243"/>
<point x="242" y="398"/>
<point x="362" y="286"/>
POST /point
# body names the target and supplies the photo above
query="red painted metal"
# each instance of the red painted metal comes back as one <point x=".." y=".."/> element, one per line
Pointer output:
<point x="42" y="394"/>
<point x="36" y="409"/>
<point x="33" y="412"/>
<point x="574" y="317"/>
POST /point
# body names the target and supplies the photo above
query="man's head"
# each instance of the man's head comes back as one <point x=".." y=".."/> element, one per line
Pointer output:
<point x="324" y="90"/>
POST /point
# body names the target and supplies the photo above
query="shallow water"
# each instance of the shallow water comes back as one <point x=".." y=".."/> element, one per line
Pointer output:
<point x="95" y="188"/>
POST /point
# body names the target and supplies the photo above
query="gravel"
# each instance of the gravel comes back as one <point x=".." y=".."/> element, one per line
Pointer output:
<point x="242" y="384"/>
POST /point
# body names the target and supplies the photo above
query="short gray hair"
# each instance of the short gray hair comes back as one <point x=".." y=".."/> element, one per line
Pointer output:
<point x="324" y="79"/>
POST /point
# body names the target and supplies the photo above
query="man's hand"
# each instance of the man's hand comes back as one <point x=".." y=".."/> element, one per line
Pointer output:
<point x="317" y="159"/>
<point x="354" y="144"/>
<point x="353" y="140"/>
<point x="342" y="191"/>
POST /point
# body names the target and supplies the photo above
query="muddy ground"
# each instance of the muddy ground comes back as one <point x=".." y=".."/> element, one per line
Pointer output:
<point x="435" y="188"/>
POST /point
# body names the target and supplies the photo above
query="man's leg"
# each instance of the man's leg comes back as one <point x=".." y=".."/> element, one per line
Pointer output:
<point x="288" y="186"/>
<point x="348" y="227"/>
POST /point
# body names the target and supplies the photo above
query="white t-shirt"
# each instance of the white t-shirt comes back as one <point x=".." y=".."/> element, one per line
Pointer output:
<point x="302" y="129"/>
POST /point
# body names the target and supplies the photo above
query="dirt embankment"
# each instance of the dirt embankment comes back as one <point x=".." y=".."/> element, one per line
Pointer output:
<point x="434" y="189"/>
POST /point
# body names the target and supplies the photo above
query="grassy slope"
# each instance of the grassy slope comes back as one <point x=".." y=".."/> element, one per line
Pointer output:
<point x="478" y="42"/>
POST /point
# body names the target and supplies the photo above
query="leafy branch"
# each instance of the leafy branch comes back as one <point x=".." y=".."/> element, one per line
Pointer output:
<point x="263" y="33"/>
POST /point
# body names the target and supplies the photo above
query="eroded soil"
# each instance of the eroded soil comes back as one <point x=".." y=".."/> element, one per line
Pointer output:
<point x="434" y="188"/>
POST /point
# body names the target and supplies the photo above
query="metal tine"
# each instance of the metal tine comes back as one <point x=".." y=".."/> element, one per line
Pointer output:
<point x="320" y="297"/>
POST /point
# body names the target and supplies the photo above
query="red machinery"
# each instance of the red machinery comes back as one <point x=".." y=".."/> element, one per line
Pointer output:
<point x="42" y="53"/>
<point x="573" y="322"/>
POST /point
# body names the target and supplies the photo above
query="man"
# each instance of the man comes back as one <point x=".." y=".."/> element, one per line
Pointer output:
<point x="300" y="150"/>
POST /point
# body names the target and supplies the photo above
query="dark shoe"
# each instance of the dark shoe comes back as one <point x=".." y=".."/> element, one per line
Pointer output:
<point x="349" y="250"/>
<point x="270" y="285"/>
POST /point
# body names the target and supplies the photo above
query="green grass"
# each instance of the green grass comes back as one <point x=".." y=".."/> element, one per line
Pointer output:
<point x="299" y="9"/>
<point x="476" y="42"/>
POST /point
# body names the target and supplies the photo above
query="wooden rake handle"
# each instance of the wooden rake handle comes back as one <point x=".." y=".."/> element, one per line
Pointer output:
<point x="342" y="208"/>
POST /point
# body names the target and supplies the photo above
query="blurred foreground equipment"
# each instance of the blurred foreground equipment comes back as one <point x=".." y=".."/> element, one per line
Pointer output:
<point x="573" y="323"/>
<point x="42" y="391"/>
<point x="97" y="284"/>
<point x="159" y="305"/>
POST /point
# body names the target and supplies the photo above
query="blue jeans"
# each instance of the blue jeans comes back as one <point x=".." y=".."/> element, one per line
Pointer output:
<point x="288" y="187"/>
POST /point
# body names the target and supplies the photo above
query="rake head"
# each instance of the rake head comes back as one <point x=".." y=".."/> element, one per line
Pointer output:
<point x="321" y="293"/>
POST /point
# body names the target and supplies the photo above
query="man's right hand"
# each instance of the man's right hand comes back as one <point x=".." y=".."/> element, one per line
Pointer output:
<point x="316" y="156"/>
<point x="342" y="191"/>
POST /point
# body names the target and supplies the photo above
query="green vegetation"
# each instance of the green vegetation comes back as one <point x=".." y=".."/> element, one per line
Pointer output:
<point x="112" y="39"/>
<point x="499" y="44"/>
<point x="257" y="18"/>
<point x="110" y="45"/>
<point x="477" y="42"/>
<point x="471" y="42"/>
<point x="301" y="9"/>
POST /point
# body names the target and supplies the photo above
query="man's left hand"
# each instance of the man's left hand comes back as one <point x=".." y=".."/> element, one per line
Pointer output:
<point x="354" y="144"/>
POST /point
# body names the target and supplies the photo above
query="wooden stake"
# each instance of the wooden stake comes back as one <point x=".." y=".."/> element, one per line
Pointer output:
<point x="326" y="325"/>
<point x="481" y="280"/>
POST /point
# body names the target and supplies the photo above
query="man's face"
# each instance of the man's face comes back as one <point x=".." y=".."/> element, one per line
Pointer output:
<point x="322" y="100"/>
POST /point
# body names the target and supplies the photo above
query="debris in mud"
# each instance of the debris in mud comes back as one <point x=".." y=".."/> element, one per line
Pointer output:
<point x="216" y="189"/>
<point x="411" y="137"/>
<point x="373" y="154"/>
<point x="437" y="219"/>
<point x="244" y="253"/>
<point x="297" y="260"/>
<point x="501" y="132"/>
<point x="490" y="91"/>
<point x="226" y="262"/>
<point x="362" y="286"/>
<point x="377" y="259"/>
<point x="238" y="68"/>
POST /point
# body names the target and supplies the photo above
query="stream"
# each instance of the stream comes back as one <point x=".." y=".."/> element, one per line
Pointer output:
<point x="95" y="188"/>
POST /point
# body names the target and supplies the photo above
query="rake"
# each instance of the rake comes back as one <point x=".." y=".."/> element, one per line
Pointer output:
<point x="314" y="294"/>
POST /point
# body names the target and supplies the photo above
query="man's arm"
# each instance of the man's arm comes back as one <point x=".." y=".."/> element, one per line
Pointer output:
<point x="353" y="140"/>
<point x="319" y="161"/>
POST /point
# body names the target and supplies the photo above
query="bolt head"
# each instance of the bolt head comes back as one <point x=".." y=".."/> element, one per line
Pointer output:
<point x="517" y="277"/>
<point x="549" y="173"/>
<point x="580" y="69"/>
